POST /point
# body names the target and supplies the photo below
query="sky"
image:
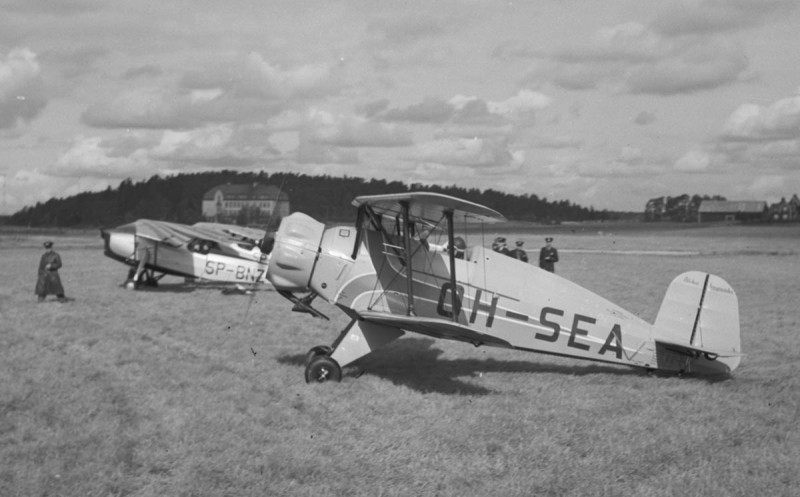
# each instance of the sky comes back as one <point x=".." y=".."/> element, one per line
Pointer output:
<point x="604" y="104"/>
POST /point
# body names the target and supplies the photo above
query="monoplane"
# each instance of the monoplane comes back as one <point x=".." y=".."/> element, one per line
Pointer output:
<point x="390" y="279"/>
<point x="205" y="251"/>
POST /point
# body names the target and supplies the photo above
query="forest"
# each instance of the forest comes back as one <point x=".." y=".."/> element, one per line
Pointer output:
<point x="179" y="198"/>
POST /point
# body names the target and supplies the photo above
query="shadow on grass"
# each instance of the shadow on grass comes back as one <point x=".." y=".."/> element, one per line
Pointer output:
<point x="189" y="287"/>
<point x="415" y="363"/>
<point x="164" y="288"/>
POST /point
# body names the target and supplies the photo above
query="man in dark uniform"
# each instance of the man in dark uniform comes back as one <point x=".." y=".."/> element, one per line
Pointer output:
<point x="49" y="282"/>
<point x="548" y="256"/>
<point x="499" y="246"/>
<point x="519" y="252"/>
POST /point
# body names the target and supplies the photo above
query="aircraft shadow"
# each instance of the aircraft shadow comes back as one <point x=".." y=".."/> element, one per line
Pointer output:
<point x="165" y="288"/>
<point x="416" y="363"/>
<point x="224" y="289"/>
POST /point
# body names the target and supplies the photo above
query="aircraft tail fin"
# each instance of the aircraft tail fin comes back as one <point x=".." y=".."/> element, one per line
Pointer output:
<point x="699" y="318"/>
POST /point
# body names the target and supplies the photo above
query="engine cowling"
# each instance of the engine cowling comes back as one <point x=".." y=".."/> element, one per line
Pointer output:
<point x="295" y="252"/>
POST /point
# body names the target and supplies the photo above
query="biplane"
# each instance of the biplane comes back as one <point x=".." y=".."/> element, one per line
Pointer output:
<point x="206" y="251"/>
<point x="390" y="278"/>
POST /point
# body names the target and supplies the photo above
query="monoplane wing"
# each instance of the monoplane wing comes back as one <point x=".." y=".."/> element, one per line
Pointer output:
<point x="434" y="327"/>
<point x="175" y="234"/>
<point x="171" y="234"/>
<point x="231" y="231"/>
<point x="429" y="207"/>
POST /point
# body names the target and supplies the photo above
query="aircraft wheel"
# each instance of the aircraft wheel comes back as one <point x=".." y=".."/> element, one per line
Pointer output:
<point x="317" y="351"/>
<point x="323" y="368"/>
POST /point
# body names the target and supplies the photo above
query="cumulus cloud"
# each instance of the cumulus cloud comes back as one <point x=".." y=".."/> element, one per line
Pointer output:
<point x="470" y="110"/>
<point x="430" y="110"/>
<point x="144" y="152"/>
<point x="693" y="161"/>
<point x="635" y="58"/>
<point x="264" y="79"/>
<point x="778" y="121"/>
<point x="251" y="89"/>
<point x="703" y="16"/>
<point x="169" y="108"/>
<point x="766" y="185"/>
<point x="96" y="157"/>
<point x="21" y="95"/>
<point x="142" y="108"/>
<point x="626" y="42"/>
<point x="629" y="162"/>
<point x="689" y="67"/>
<point x="29" y="186"/>
<point x="525" y="101"/>
<point x="310" y="151"/>
<point x="352" y="131"/>
<point x="225" y="145"/>
<point x="475" y="152"/>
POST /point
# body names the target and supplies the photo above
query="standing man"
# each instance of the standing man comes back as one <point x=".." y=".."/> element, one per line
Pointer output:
<point x="519" y="252"/>
<point x="49" y="282"/>
<point x="548" y="256"/>
<point x="499" y="246"/>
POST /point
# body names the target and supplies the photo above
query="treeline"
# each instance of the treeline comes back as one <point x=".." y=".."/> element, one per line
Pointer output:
<point x="179" y="199"/>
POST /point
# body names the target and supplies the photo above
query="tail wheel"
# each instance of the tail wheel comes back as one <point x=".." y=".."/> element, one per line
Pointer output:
<point x="323" y="368"/>
<point x="317" y="351"/>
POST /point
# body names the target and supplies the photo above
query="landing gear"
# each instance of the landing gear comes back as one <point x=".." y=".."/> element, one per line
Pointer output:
<point x="322" y="368"/>
<point x="356" y="340"/>
<point x="141" y="278"/>
<point x="317" y="351"/>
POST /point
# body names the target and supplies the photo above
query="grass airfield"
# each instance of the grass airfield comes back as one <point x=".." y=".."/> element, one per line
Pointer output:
<point x="186" y="390"/>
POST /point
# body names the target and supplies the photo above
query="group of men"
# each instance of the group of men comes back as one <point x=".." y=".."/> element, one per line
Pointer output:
<point x="548" y="255"/>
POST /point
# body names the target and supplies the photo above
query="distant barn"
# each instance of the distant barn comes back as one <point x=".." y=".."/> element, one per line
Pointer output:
<point x="244" y="204"/>
<point x="711" y="211"/>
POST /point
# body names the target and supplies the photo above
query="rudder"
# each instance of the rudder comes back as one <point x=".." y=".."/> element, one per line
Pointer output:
<point x="700" y="315"/>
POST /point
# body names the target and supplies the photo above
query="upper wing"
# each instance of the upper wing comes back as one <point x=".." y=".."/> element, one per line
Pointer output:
<point x="434" y="327"/>
<point x="430" y="207"/>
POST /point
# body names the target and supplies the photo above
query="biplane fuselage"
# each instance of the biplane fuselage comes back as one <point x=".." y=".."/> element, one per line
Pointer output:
<point x="390" y="282"/>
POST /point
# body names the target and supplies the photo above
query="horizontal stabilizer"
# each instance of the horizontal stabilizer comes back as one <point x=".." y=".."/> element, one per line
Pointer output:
<point x="688" y="350"/>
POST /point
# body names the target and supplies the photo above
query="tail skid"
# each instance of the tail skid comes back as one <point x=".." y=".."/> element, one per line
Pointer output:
<point x="697" y="327"/>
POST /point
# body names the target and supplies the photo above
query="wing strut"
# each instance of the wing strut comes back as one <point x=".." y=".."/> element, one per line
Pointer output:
<point x="699" y="310"/>
<point x="452" y="253"/>
<point x="409" y="269"/>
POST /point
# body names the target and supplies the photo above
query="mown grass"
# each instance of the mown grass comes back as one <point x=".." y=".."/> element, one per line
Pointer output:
<point x="186" y="391"/>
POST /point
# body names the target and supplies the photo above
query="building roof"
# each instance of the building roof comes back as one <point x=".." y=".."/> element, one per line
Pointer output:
<point x="729" y="206"/>
<point x="252" y="191"/>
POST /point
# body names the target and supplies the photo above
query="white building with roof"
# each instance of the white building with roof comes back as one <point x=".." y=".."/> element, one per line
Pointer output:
<point x="226" y="202"/>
